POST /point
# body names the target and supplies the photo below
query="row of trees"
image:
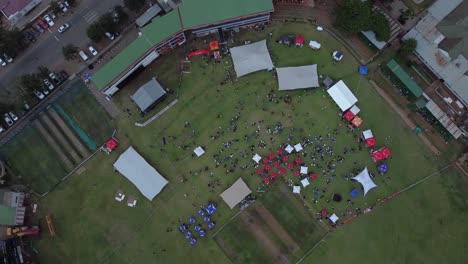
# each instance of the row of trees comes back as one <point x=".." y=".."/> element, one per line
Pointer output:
<point x="108" y="22"/>
<point x="11" y="41"/>
<point x="32" y="81"/>
<point x="356" y="16"/>
<point x="134" y="5"/>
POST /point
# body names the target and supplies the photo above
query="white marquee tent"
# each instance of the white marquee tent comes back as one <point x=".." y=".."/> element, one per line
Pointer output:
<point x="289" y="149"/>
<point x="297" y="189"/>
<point x="298" y="147"/>
<point x="257" y="158"/>
<point x="334" y="218"/>
<point x="199" y="151"/>
<point x="135" y="168"/>
<point x="342" y="96"/>
<point x="251" y="58"/>
<point x="365" y="180"/>
<point x="292" y="78"/>
<point x="236" y="193"/>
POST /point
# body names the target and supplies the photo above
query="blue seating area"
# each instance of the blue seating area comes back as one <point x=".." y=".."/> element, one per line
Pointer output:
<point x="205" y="214"/>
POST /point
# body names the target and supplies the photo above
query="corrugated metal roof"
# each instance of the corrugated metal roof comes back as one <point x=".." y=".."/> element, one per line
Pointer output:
<point x="405" y="78"/>
<point x="443" y="119"/>
<point x="148" y="15"/>
<point x="148" y="94"/>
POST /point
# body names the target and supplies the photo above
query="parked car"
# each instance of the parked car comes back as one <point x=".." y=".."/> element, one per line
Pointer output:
<point x="39" y="94"/>
<point x="1" y="129"/>
<point x="92" y="50"/>
<point x="7" y="58"/>
<point x="63" y="27"/>
<point x="26" y="106"/>
<point x="13" y="116"/>
<point x="39" y="28"/>
<point x="54" y="78"/>
<point x="66" y="4"/>
<point x="63" y="7"/>
<point x="49" y="85"/>
<point x="2" y="62"/>
<point x="8" y="120"/>
<point x="83" y="55"/>
<point x="110" y="36"/>
<point x="49" y="20"/>
<point x="29" y="36"/>
<point x="43" y="24"/>
<point x="45" y="92"/>
<point x="53" y="16"/>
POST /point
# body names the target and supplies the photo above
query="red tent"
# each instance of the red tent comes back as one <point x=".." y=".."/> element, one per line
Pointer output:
<point x="298" y="160"/>
<point x="198" y="52"/>
<point x="357" y="121"/>
<point x="273" y="175"/>
<point x="370" y="142"/>
<point x="377" y="156"/>
<point x="290" y="166"/>
<point x="348" y="115"/>
<point x="111" y="144"/>
<point x="324" y="212"/>
<point x="271" y="156"/>
<point x="276" y="164"/>
<point x="297" y="173"/>
<point x="386" y="152"/>
<point x="285" y="159"/>
<point x="299" y="40"/>
<point x="267" y="167"/>
<point x="214" y="45"/>
<point x="279" y="151"/>
<point x="259" y="171"/>
<point x="282" y="171"/>
<point x="266" y="160"/>
<point x="313" y="176"/>
<point x="266" y="180"/>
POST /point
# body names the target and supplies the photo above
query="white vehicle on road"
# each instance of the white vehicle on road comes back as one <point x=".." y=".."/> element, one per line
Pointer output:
<point x="92" y="50"/>
<point x="63" y="7"/>
<point x="49" y="85"/>
<point x="49" y="20"/>
<point x="2" y="62"/>
<point x="13" y="116"/>
<point x="39" y="94"/>
<point x="8" y="120"/>
<point x="83" y="55"/>
<point x="63" y="27"/>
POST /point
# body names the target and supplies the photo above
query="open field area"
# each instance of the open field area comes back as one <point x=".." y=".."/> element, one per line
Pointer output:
<point x="233" y="122"/>
<point x="57" y="140"/>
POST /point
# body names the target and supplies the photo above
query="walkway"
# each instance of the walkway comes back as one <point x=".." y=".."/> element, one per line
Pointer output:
<point x="157" y="114"/>
<point x="108" y="105"/>
<point x="403" y="115"/>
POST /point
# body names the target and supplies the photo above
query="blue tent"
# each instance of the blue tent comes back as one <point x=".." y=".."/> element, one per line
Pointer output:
<point x="382" y="168"/>
<point x="182" y="228"/>
<point x="363" y="70"/>
<point x="202" y="233"/>
<point x="192" y="220"/>
<point x="197" y="228"/>
<point x="211" y="209"/>
<point x="354" y="192"/>
<point x="188" y="235"/>
<point x="211" y="225"/>
<point x="207" y="219"/>
<point x="193" y="241"/>
<point x="201" y="212"/>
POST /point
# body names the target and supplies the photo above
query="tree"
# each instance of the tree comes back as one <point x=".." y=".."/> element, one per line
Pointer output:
<point x="29" y="82"/>
<point x="70" y="52"/>
<point x="380" y="27"/>
<point x="106" y="21"/>
<point x="54" y="6"/>
<point x="11" y="41"/>
<point x="120" y="13"/>
<point x="408" y="46"/>
<point x="71" y="2"/>
<point x="95" y="32"/>
<point x="353" y="16"/>
<point x="134" y="5"/>
<point x="43" y="72"/>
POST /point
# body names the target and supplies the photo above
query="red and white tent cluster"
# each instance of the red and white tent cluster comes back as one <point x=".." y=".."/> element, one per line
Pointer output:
<point x="352" y="117"/>
<point x="381" y="154"/>
<point x="369" y="138"/>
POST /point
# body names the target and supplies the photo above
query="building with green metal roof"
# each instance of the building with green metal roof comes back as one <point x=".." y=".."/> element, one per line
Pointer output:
<point x="167" y="32"/>
<point x="404" y="79"/>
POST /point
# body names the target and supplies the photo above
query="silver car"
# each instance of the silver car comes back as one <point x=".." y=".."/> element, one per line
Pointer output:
<point x="13" y="116"/>
<point x="8" y="120"/>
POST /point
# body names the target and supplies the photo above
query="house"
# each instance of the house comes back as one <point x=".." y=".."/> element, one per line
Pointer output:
<point x="13" y="10"/>
<point x="12" y="211"/>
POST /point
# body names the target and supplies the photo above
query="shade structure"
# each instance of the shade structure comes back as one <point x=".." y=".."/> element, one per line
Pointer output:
<point x="365" y="180"/>
<point x="111" y="144"/>
<point x="148" y="94"/>
<point x="370" y="142"/>
<point x="314" y="45"/>
<point x="268" y="167"/>
<point x="297" y="189"/>
<point x="381" y="154"/>
<point x="266" y="180"/>
<point x="282" y="171"/>
<point x="367" y="134"/>
<point x="342" y="95"/>
<point x="348" y="115"/>
<point x="236" y="193"/>
<point x="297" y="173"/>
<point x="279" y="151"/>
<point x="298" y="147"/>
<point x="299" y="40"/>
<point x="285" y="159"/>
<point x="382" y="168"/>
<point x="363" y="70"/>
<point x="265" y="160"/>
<point x="273" y="175"/>
<point x="290" y="166"/>
<point x="289" y="149"/>
<point x="355" y="110"/>
<point x="304" y="170"/>
<point x="327" y="82"/>
<point x="251" y="58"/>
<point x="214" y="45"/>
<point x="305" y="182"/>
<point x="354" y="192"/>
<point x="271" y="156"/>
<point x="135" y="168"/>
<point x="313" y="176"/>
<point x="211" y="225"/>
<point x="301" y="77"/>
<point x="298" y="160"/>
<point x="334" y="218"/>
<point x="199" y="151"/>
<point x="257" y="158"/>
<point x="357" y="121"/>
<point x="276" y="164"/>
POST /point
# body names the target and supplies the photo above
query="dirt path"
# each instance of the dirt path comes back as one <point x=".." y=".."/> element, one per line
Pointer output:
<point x="255" y="227"/>
<point x="69" y="133"/>
<point x="61" y="139"/>
<point x="271" y="221"/>
<point x="405" y="118"/>
<point x="54" y="145"/>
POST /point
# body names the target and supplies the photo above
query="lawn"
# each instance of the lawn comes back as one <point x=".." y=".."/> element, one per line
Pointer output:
<point x="93" y="228"/>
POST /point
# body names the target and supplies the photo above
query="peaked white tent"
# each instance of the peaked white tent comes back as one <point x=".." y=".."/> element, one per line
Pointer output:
<point x="342" y="96"/>
<point x="199" y="151"/>
<point x="297" y="189"/>
<point x="257" y="158"/>
<point x="236" y="193"/>
<point x="365" y="180"/>
<point x="251" y="58"/>
<point x="304" y="170"/>
<point x="298" y="147"/>
<point x="314" y="45"/>
<point x="305" y="182"/>
<point x="334" y="218"/>
<point x="289" y="149"/>
<point x="135" y="168"/>
<point x="292" y="78"/>
<point x="367" y="134"/>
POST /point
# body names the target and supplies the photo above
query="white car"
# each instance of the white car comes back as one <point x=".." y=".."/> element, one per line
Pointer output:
<point x="2" y="62"/>
<point x="7" y="58"/>
<point x="1" y="129"/>
<point x="8" y="120"/>
<point x="110" y="36"/>
<point x="49" y="20"/>
<point x="39" y="94"/>
<point x="49" y="85"/>
<point x="92" y="50"/>
<point x="66" y="4"/>
<point x="53" y="16"/>
<point x="13" y="116"/>
<point x="63" y="27"/>
<point x="63" y="7"/>
<point x="45" y="92"/>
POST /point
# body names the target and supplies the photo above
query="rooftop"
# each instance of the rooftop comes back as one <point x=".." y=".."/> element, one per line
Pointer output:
<point x="10" y="7"/>
<point x="405" y="78"/>
<point x="455" y="29"/>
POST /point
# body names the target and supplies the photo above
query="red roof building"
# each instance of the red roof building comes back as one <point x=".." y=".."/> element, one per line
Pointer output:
<point x="15" y="9"/>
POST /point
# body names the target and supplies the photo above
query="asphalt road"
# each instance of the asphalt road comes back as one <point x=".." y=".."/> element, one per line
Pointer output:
<point x="47" y="50"/>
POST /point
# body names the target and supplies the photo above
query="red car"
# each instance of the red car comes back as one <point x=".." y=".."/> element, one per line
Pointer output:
<point x="42" y="24"/>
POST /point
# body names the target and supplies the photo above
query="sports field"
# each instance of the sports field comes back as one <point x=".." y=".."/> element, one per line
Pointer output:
<point x="93" y="228"/>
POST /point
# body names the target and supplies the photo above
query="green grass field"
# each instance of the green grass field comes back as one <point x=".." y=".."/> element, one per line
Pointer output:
<point x="93" y="228"/>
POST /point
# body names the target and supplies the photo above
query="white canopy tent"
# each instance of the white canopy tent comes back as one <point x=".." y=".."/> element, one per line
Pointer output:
<point x="355" y="110"/>
<point x="304" y="170"/>
<point x="257" y="158"/>
<point x="305" y="182"/>
<point x="289" y="149"/>
<point x="251" y="58"/>
<point x="365" y="180"/>
<point x="236" y="193"/>
<point x="298" y="147"/>
<point x="342" y="96"/>
<point x="131" y="165"/>
<point x="297" y="189"/>
<point x="199" y="151"/>
<point x="292" y="78"/>
<point x="314" y="45"/>
<point x="334" y="218"/>
<point x="367" y="134"/>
